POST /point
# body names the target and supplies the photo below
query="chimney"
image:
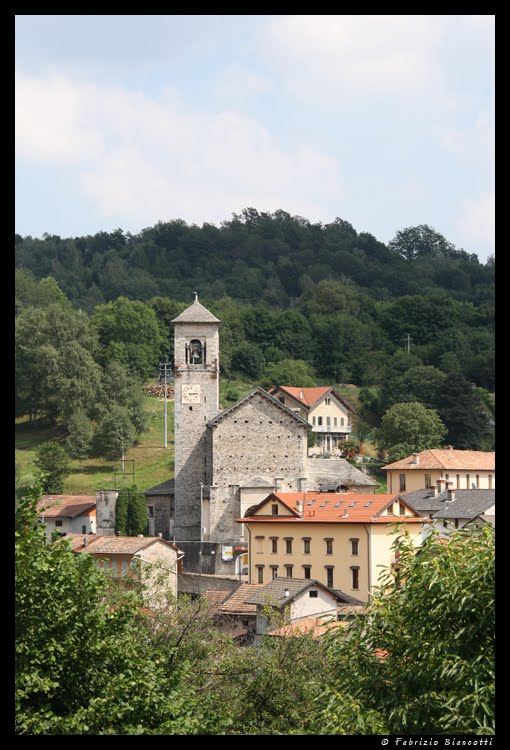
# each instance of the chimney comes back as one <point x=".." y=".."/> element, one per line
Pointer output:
<point x="160" y="535"/>
<point x="451" y="491"/>
<point x="416" y="458"/>
<point x="287" y="592"/>
<point x="85" y="541"/>
<point x="299" y="507"/>
<point x="440" y="487"/>
<point x="433" y="487"/>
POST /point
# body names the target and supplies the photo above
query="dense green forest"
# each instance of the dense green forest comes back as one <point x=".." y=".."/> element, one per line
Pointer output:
<point x="300" y="304"/>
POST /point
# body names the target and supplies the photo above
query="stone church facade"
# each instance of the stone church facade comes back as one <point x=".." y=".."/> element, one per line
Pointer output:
<point x="226" y="459"/>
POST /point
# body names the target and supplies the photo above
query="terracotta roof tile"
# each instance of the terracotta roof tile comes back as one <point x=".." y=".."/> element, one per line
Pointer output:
<point x="118" y="545"/>
<point x="236" y="604"/>
<point x="66" y="506"/>
<point x="329" y="507"/>
<point x="448" y="459"/>
<point x="314" y="626"/>
<point x="215" y="599"/>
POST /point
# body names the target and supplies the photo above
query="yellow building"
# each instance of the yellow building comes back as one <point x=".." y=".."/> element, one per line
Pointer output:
<point x="324" y="408"/>
<point x="340" y="540"/>
<point x="468" y="470"/>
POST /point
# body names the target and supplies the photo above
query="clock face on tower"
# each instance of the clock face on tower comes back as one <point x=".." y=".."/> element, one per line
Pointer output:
<point x="190" y="394"/>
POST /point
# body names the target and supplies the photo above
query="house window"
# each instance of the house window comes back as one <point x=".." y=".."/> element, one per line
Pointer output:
<point x="172" y="506"/>
<point x="83" y="529"/>
<point x="150" y="508"/>
<point x="490" y="481"/>
<point x="313" y="594"/>
<point x="306" y="546"/>
<point x="281" y="400"/>
<point x="355" y="578"/>
<point x="447" y="477"/>
<point x="335" y="421"/>
<point x="402" y="480"/>
<point x="401" y="509"/>
<point x="341" y="421"/>
<point x="467" y="482"/>
<point x="456" y="523"/>
<point x="328" y="421"/>
<point x="478" y="481"/>
<point x="327" y="401"/>
<point x="274" y="545"/>
<point x="329" y="546"/>
<point x="307" y="571"/>
<point x="427" y="481"/>
<point x="124" y="567"/>
<point x="289" y="569"/>
<point x="354" y="546"/>
<point x="274" y="571"/>
<point x="274" y="510"/>
<point x="458" y="481"/>
<point x="260" y="573"/>
<point x="288" y="546"/>
<point x="313" y="421"/>
<point x="319" y="421"/>
<point x="329" y="577"/>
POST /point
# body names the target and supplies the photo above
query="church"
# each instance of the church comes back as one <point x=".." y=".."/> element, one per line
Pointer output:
<point x="229" y="460"/>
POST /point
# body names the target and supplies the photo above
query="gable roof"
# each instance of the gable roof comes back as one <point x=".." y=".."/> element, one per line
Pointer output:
<point x="309" y="397"/>
<point x="119" y="545"/>
<point x="165" y="488"/>
<point x="448" y="459"/>
<point x="423" y="501"/>
<point x="258" y="391"/>
<point x="465" y="506"/>
<point x="239" y="601"/>
<point x="66" y="506"/>
<point x="331" y="473"/>
<point x="196" y="313"/>
<point x="274" y="592"/>
<point x="331" y="507"/>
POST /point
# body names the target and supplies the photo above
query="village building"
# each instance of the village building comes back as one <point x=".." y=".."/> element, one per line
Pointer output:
<point x="339" y="540"/>
<point x="67" y="514"/>
<point x="150" y="561"/>
<point x="468" y="470"/>
<point x="227" y="460"/>
<point x="327" y="412"/>
<point x="450" y="508"/>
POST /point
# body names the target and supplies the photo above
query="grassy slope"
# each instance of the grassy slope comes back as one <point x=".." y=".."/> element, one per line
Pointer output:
<point x="152" y="462"/>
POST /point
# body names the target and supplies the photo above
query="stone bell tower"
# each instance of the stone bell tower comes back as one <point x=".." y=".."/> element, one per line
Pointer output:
<point x="196" y="372"/>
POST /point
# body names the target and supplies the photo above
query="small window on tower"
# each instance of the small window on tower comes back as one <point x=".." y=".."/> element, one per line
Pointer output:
<point x="195" y="352"/>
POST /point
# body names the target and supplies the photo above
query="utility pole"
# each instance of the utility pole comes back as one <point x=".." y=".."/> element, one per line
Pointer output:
<point x="164" y="369"/>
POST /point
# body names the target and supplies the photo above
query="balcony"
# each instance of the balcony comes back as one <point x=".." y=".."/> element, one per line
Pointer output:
<point x="346" y="429"/>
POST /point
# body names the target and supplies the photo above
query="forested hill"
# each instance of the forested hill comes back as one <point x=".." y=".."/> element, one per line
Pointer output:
<point x="254" y="257"/>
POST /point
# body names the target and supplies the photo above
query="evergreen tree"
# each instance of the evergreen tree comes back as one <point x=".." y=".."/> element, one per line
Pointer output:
<point x="462" y="412"/>
<point x="53" y="465"/>
<point x="81" y="432"/>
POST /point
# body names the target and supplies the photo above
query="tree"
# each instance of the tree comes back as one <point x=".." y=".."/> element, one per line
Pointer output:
<point x="422" y="660"/>
<point x="462" y="412"/>
<point x="131" y="512"/>
<point x="80" y="434"/>
<point x="115" y="433"/>
<point x="416" y="242"/>
<point x="293" y="372"/>
<point x="408" y="428"/>
<point x="249" y="360"/>
<point x="53" y="465"/>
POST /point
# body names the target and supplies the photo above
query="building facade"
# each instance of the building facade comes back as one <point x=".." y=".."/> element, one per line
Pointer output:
<point x="339" y="540"/>
<point x="468" y="470"/>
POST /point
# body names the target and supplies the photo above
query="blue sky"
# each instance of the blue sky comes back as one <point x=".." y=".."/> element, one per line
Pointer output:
<point x="383" y="121"/>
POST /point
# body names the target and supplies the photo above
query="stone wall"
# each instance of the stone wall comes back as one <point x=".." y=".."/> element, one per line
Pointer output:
<point x="255" y="439"/>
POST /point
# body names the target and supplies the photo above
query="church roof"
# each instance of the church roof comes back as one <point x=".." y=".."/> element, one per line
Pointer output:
<point x="331" y="472"/>
<point x="196" y="313"/>
<point x="261" y="392"/>
<point x="165" y="488"/>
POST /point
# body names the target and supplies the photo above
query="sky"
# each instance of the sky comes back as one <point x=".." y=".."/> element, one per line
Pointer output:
<point x="384" y="121"/>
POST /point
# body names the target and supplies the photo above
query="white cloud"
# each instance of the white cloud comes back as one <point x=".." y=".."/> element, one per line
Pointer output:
<point x="237" y="82"/>
<point x="358" y="54"/>
<point x="475" y="224"/>
<point x="152" y="159"/>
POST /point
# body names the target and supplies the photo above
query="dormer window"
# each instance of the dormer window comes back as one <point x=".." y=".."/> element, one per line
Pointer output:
<point x="274" y="510"/>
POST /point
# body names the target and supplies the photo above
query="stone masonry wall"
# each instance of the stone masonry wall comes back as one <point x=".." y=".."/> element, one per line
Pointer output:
<point x="256" y="439"/>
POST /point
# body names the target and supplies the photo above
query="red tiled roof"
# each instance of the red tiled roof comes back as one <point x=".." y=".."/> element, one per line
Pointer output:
<point x="66" y="506"/>
<point x="215" y="598"/>
<point x="314" y="625"/>
<point x="339" y="508"/>
<point x="448" y="459"/>
<point x="236" y="605"/>
<point x="307" y="396"/>
<point x="116" y="545"/>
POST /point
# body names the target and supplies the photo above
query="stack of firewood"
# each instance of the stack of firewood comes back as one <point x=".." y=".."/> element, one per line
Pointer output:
<point x="157" y="389"/>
